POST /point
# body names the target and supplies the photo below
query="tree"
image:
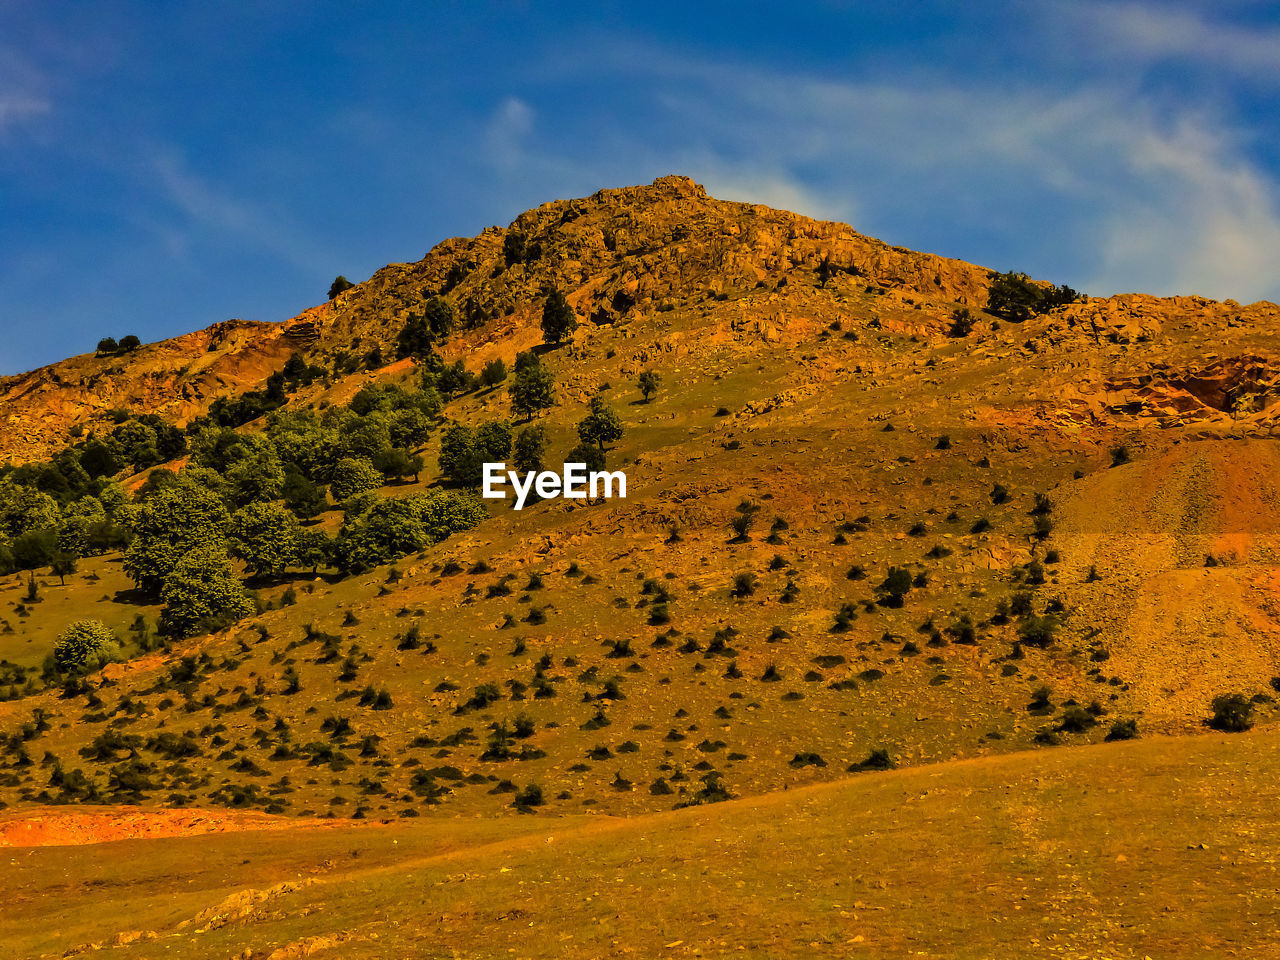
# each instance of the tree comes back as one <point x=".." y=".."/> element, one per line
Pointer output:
<point x="493" y="373"/>
<point x="352" y="476"/>
<point x="265" y="537"/>
<point x="303" y="496"/>
<point x="463" y="451"/>
<point x="558" y="319"/>
<point x="129" y="344"/>
<point x="63" y="565"/>
<point x="108" y="345"/>
<point x="340" y="284"/>
<point x="532" y="389"/>
<point x="601" y="425"/>
<point x="440" y="316"/>
<point x="513" y="247"/>
<point x="589" y="454"/>
<point x="202" y="594"/>
<point x="180" y="519"/>
<point x="255" y="478"/>
<point x="390" y="529"/>
<point x="961" y="322"/>
<point x="649" y="381"/>
<point x="35" y="548"/>
<point x="415" y="338"/>
<point x="84" y="644"/>
<point x="395" y="463"/>
<point x="1016" y="297"/>
<point x="529" y="447"/>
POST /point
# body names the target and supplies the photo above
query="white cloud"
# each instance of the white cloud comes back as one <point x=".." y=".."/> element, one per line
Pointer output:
<point x="15" y="108"/>
<point x="1171" y="31"/>
<point x="205" y="207"/>
<point x="1134" y="194"/>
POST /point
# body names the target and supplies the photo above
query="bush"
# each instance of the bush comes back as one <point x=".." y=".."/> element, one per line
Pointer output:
<point x="1038" y="631"/>
<point x="1232" y="712"/>
<point x="1123" y="730"/>
<point x="84" y="644"/>
<point x="528" y="798"/>
<point x="340" y="284"/>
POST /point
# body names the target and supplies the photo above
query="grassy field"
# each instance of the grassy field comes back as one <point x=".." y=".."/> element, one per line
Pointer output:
<point x="1161" y="848"/>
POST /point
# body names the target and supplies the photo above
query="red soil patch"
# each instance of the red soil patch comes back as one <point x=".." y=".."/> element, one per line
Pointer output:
<point x="49" y="827"/>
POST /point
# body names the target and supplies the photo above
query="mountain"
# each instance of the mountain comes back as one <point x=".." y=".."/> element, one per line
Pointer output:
<point x="876" y="516"/>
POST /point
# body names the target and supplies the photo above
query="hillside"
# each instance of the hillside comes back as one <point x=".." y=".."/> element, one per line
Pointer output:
<point x="1079" y="510"/>
<point x="1161" y="848"/>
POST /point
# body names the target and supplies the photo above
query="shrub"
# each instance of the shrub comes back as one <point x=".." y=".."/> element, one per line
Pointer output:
<point x="84" y="644"/>
<point x="1123" y="730"/>
<point x="877" y="759"/>
<point x="1232" y="712"/>
<point x="340" y="284"/>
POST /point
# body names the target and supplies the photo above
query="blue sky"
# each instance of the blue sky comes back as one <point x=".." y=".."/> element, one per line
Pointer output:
<point x="164" y="165"/>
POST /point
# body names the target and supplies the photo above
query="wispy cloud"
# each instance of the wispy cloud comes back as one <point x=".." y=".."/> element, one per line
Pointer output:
<point x="1182" y="32"/>
<point x="205" y="208"/>
<point x="1104" y="186"/>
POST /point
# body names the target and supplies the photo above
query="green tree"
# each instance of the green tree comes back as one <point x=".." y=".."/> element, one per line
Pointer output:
<point x="415" y="338"/>
<point x="1016" y="297"/>
<point x="440" y="316"/>
<point x="493" y="373"/>
<point x="513" y="247"/>
<point x="265" y="537"/>
<point x="339" y="285"/>
<point x="352" y="476"/>
<point x="183" y="518"/>
<point x="649" y="381"/>
<point x="529" y="447"/>
<point x="395" y="463"/>
<point x="35" y="548"/>
<point x="601" y="425"/>
<point x="23" y="509"/>
<point x="129" y="343"/>
<point x="390" y="529"/>
<point x="84" y="644"/>
<point x="558" y="319"/>
<point x="532" y="389"/>
<point x="108" y="345"/>
<point x="303" y="496"/>
<point x="63" y="565"/>
<point x="589" y="454"/>
<point x="202" y="593"/>
<point x="255" y="478"/>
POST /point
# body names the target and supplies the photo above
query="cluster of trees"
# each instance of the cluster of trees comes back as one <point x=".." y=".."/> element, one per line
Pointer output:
<point x="1016" y="297"/>
<point x="109" y="347"/>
